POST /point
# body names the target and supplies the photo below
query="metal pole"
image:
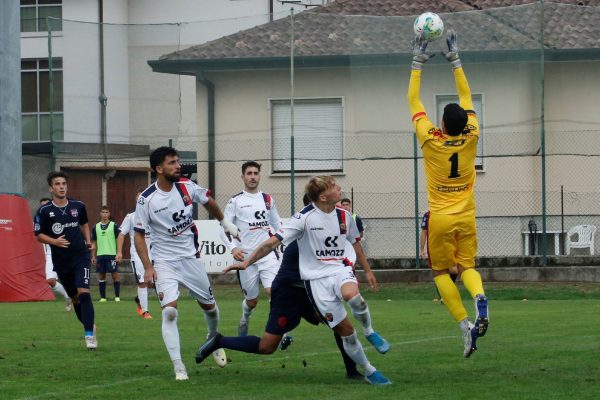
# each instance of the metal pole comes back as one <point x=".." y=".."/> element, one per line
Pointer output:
<point x="543" y="139"/>
<point x="562" y="216"/>
<point x="292" y="155"/>
<point x="416" y="180"/>
<point x="51" y="94"/>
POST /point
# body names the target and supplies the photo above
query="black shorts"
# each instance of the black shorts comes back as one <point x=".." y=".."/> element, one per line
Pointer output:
<point x="76" y="277"/>
<point x="288" y="305"/>
<point x="106" y="264"/>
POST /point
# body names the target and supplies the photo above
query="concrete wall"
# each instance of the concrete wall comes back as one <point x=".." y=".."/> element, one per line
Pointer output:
<point x="498" y="273"/>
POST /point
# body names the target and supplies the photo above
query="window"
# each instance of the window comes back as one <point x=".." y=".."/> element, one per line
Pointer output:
<point x="34" y="13"/>
<point x="35" y="100"/>
<point x="442" y="100"/>
<point x="318" y="135"/>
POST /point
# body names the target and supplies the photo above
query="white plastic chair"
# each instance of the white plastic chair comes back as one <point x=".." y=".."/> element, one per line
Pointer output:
<point x="585" y="238"/>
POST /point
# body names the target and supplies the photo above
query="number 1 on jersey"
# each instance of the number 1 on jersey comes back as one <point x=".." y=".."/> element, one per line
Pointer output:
<point x="453" y="166"/>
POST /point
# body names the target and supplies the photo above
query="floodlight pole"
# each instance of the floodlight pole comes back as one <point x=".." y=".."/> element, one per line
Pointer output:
<point x="292" y="155"/>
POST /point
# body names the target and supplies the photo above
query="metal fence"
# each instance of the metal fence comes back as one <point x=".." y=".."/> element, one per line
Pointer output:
<point x="225" y="92"/>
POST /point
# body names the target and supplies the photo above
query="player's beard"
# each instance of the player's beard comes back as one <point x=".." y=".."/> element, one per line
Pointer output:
<point x="173" y="178"/>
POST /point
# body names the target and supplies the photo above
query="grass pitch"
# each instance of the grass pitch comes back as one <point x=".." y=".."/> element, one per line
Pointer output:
<point x="544" y="348"/>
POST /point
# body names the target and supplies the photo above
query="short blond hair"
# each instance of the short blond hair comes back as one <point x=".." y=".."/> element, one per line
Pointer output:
<point x="317" y="185"/>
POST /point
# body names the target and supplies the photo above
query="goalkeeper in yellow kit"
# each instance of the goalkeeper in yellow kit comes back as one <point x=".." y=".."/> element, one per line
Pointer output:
<point x="449" y="154"/>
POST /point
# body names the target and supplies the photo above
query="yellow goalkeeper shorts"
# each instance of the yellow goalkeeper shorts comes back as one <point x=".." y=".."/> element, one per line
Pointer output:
<point x="452" y="239"/>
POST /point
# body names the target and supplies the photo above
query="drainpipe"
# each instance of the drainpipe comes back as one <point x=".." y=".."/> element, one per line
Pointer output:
<point x="210" y="110"/>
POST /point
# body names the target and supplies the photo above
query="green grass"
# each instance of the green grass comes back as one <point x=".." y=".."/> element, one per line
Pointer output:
<point x="543" y="348"/>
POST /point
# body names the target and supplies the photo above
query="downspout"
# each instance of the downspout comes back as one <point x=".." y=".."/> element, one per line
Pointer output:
<point x="210" y="110"/>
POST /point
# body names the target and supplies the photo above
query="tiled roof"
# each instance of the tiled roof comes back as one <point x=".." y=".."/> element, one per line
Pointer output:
<point x="408" y="7"/>
<point x="333" y="30"/>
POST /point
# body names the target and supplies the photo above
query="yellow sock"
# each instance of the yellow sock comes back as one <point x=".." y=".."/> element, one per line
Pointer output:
<point x="472" y="281"/>
<point x="450" y="296"/>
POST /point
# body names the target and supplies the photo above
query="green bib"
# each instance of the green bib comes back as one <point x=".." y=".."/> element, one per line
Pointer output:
<point x="106" y="240"/>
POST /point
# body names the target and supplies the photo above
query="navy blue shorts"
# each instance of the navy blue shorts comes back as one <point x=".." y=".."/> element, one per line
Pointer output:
<point x="288" y="305"/>
<point x="106" y="264"/>
<point x="76" y="277"/>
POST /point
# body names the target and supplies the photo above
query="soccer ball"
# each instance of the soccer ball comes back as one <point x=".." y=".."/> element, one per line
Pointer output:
<point x="429" y="25"/>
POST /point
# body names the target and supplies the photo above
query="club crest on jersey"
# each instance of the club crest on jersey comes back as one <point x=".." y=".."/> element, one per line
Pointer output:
<point x="329" y="317"/>
<point x="51" y="214"/>
<point x="74" y="213"/>
<point x="161" y="296"/>
<point x="186" y="199"/>
<point x="343" y="228"/>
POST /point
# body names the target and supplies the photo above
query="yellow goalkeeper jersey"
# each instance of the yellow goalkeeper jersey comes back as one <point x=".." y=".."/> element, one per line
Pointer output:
<point x="449" y="160"/>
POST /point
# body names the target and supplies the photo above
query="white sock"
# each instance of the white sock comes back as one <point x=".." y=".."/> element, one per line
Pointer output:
<point x="143" y="297"/>
<point x="360" y="310"/>
<point x="171" y="333"/>
<point x="355" y="351"/>
<point x="246" y="311"/>
<point x="59" y="289"/>
<point x="464" y="324"/>
<point x="178" y="365"/>
<point x="212" y="320"/>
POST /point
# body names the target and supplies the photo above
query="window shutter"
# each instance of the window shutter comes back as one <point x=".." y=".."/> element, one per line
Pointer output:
<point x="318" y="135"/>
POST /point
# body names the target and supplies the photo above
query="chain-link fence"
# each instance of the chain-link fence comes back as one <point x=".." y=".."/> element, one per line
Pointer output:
<point x="225" y="91"/>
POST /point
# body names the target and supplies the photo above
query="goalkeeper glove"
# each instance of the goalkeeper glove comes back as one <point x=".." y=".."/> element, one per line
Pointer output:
<point x="420" y="57"/>
<point x="452" y="54"/>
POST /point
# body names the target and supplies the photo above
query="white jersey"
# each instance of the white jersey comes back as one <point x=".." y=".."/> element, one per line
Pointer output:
<point x="127" y="227"/>
<point x="254" y="214"/>
<point x="168" y="216"/>
<point x="322" y="240"/>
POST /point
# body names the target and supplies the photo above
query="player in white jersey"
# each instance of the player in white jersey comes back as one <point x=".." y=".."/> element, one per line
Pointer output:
<point x="51" y="276"/>
<point x="254" y="213"/>
<point x="322" y="230"/>
<point x="166" y="208"/>
<point x="126" y="228"/>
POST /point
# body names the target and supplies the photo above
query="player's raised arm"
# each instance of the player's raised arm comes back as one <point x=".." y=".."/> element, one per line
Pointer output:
<point x="462" y="86"/>
<point x="420" y="57"/>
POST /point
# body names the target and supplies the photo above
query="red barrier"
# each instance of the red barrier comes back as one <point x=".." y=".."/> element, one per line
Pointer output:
<point x="22" y="261"/>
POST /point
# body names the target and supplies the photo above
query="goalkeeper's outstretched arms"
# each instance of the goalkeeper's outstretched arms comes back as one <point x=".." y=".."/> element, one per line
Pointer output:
<point x="462" y="86"/>
<point x="420" y="57"/>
